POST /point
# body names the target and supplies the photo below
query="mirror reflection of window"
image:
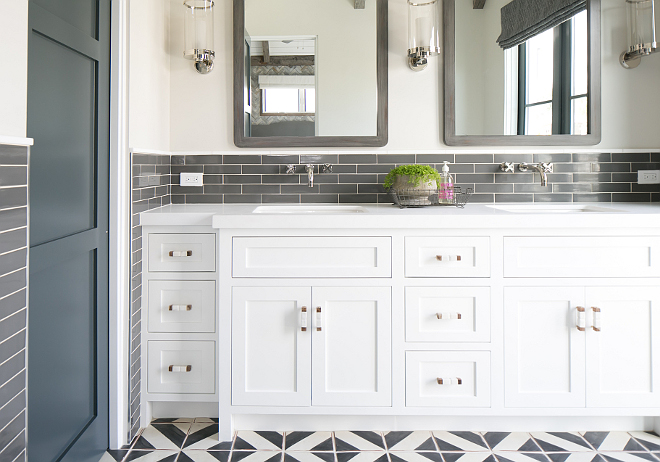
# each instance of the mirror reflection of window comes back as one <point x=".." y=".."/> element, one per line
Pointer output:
<point x="552" y="79"/>
<point x="288" y="101"/>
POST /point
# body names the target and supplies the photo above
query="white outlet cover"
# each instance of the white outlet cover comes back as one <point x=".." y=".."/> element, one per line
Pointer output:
<point x="191" y="179"/>
<point x="648" y="177"/>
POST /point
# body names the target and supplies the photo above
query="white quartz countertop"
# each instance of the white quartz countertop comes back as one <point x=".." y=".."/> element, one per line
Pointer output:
<point x="387" y="216"/>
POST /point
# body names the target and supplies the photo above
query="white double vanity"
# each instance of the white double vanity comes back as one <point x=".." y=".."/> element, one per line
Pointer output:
<point x="330" y="313"/>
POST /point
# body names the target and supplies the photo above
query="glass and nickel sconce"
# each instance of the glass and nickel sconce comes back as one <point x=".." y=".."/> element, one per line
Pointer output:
<point x="423" y="32"/>
<point x="641" y="32"/>
<point x="198" y="34"/>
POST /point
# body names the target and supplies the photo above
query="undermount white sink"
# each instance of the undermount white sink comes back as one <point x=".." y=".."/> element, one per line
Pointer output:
<point x="553" y="208"/>
<point x="320" y="209"/>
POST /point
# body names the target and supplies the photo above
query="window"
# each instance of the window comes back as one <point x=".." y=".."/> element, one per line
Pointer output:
<point x="288" y="101"/>
<point x="552" y="90"/>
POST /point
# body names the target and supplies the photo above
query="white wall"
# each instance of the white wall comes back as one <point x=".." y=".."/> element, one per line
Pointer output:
<point x="201" y="105"/>
<point x="13" y="70"/>
<point x="346" y="47"/>
<point x="149" y="87"/>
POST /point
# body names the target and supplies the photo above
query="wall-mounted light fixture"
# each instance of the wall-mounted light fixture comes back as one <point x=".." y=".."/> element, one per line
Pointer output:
<point x="198" y="34"/>
<point x="423" y="32"/>
<point x="641" y="32"/>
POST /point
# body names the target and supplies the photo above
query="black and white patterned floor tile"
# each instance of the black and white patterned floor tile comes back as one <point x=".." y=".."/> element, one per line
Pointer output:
<point x="259" y="441"/>
<point x="512" y="456"/>
<point x="575" y="457"/>
<point x="650" y="441"/>
<point x="205" y="436"/>
<point x="256" y="456"/>
<point x="362" y="456"/>
<point x="409" y="441"/>
<point x="309" y="456"/>
<point x="359" y="441"/>
<point x="151" y="456"/>
<point x="163" y="436"/>
<point x="308" y="441"/>
<point x="203" y="456"/>
<point x="628" y="456"/>
<point x="561" y="442"/>
<point x="460" y="441"/>
<point x="515" y="441"/>
<point x="612" y="441"/>
<point x="406" y="456"/>
<point x="468" y="457"/>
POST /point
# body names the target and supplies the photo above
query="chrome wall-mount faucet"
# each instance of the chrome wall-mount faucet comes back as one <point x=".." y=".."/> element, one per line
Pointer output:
<point x="309" y="169"/>
<point x="542" y="167"/>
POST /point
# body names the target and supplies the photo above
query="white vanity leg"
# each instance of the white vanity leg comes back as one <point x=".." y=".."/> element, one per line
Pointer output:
<point x="225" y="427"/>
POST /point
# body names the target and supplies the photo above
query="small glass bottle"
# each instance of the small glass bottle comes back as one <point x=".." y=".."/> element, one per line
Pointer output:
<point x="446" y="186"/>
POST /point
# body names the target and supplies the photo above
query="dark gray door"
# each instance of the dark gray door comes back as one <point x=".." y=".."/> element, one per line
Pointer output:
<point x="68" y="117"/>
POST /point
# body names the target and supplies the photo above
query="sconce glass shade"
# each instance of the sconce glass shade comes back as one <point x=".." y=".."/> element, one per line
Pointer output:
<point x="423" y="32"/>
<point x="641" y="26"/>
<point x="198" y="34"/>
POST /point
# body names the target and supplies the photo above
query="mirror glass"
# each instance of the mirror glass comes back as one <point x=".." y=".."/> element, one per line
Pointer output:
<point x="311" y="72"/>
<point x="544" y="91"/>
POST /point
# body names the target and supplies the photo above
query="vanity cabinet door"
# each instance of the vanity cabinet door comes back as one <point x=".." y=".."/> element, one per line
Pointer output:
<point x="271" y="354"/>
<point x="544" y="359"/>
<point x="351" y="346"/>
<point x="623" y="360"/>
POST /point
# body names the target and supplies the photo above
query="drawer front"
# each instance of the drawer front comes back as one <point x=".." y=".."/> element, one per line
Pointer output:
<point x="631" y="256"/>
<point x="181" y="252"/>
<point x="181" y="306"/>
<point x="448" y="378"/>
<point x="447" y="257"/>
<point x="181" y="367"/>
<point x="447" y="314"/>
<point x="311" y="257"/>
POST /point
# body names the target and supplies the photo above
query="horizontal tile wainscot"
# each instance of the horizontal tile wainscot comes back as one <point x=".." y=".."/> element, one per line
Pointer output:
<point x="480" y="318"/>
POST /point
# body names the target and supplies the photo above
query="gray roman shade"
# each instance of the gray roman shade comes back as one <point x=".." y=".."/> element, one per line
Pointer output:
<point x="523" y="19"/>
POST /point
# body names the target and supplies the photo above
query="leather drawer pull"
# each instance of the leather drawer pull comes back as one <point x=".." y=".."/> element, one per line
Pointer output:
<point x="180" y="253"/>
<point x="448" y="257"/>
<point x="450" y="381"/>
<point x="174" y="368"/>
<point x="180" y="307"/>
<point x="449" y="316"/>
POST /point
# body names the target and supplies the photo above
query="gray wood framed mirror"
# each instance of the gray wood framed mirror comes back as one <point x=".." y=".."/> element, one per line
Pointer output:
<point x="310" y="73"/>
<point x="489" y="97"/>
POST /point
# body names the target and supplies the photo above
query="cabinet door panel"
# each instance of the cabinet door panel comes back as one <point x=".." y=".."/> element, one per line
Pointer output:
<point x="544" y="351"/>
<point x="352" y="350"/>
<point x="270" y="351"/>
<point x="622" y="355"/>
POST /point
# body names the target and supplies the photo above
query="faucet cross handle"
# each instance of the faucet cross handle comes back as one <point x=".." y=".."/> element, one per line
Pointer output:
<point x="547" y="167"/>
<point x="290" y="169"/>
<point x="507" y="167"/>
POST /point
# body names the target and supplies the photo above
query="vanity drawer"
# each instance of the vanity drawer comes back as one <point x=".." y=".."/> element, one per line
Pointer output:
<point x="447" y="257"/>
<point x="448" y="378"/>
<point x="181" y="306"/>
<point x="181" y="252"/>
<point x="447" y="314"/>
<point x="312" y="256"/>
<point x="181" y="367"/>
<point x="571" y="256"/>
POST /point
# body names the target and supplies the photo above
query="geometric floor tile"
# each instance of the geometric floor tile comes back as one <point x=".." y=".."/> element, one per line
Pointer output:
<point x="468" y="457"/>
<point x="172" y="420"/>
<point x="308" y="441"/>
<point x="256" y="456"/>
<point x="459" y="441"/>
<point x="510" y="456"/>
<point x="307" y="456"/>
<point x="409" y="441"/>
<point x="116" y="456"/>
<point x="650" y="441"/>
<point x="516" y="441"/>
<point x="203" y="456"/>
<point x="416" y="457"/>
<point x="575" y="457"/>
<point x="362" y="456"/>
<point x="163" y="436"/>
<point x="259" y="441"/>
<point x="359" y="441"/>
<point x="151" y="456"/>
<point x="205" y="436"/>
<point x="612" y="441"/>
<point x="561" y="442"/>
<point x="628" y="456"/>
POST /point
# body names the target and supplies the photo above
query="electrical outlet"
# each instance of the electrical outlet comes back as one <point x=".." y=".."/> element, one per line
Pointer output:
<point x="648" y="177"/>
<point x="191" y="179"/>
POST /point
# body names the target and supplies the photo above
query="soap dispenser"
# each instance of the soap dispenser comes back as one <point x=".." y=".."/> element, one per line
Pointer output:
<point x="446" y="186"/>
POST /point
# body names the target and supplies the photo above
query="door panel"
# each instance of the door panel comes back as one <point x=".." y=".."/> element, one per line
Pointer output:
<point x="68" y="117"/>
<point x="351" y="346"/>
<point x="270" y="351"/>
<point x="544" y="360"/>
<point x="623" y="354"/>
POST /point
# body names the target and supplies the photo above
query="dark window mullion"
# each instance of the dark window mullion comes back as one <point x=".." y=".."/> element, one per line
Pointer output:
<point x="566" y="31"/>
<point x="522" y="87"/>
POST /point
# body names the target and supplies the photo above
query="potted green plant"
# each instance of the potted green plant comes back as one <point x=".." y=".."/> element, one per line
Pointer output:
<point x="413" y="184"/>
